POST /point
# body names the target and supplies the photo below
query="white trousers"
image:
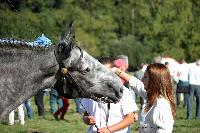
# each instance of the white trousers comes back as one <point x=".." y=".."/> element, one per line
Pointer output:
<point x="20" y="115"/>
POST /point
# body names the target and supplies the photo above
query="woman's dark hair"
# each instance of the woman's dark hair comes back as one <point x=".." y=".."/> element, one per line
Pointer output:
<point x="106" y="60"/>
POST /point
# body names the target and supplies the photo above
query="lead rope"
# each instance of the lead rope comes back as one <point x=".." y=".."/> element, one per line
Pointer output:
<point x="107" y="116"/>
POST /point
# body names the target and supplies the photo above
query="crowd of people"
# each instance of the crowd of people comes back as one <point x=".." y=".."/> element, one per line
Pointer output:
<point x="188" y="85"/>
<point x="158" y="85"/>
<point x="58" y="107"/>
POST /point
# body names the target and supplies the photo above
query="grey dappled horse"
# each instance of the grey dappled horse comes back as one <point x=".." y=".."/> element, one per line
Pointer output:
<point x="24" y="70"/>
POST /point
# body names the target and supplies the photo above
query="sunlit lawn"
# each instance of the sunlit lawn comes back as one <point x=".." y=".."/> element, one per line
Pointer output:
<point x="73" y="123"/>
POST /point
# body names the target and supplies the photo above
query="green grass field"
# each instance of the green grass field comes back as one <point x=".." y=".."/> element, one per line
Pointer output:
<point x="73" y="122"/>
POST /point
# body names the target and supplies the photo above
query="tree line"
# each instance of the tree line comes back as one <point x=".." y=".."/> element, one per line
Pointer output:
<point x="139" y="29"/>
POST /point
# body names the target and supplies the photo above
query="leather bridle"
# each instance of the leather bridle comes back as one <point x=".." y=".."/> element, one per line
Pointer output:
<point x="68" y="77"/>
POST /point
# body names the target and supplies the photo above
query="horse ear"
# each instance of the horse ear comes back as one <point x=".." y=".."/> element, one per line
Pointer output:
<point x="66" y="43"/>
<point x="69" y="35"/>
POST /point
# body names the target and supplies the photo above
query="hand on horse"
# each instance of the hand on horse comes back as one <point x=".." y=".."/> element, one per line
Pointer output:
<point x="115" y="70"/>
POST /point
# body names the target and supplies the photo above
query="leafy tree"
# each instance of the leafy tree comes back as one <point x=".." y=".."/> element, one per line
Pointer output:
<point x="162" y="25"/>
<point x="135" y="51"/>
<point x="140" y="29"/>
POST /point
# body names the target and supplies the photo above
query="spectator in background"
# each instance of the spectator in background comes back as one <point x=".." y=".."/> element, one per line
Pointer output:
<point x="194" y="88"/>
<point x="140" y="73"/>
<point x="157" y="59"/>
<point x="60" y="113"/>
<point x="79" y="110"/>
<point x="28" y="108"/>
<point x="124" y="58"/>
<point x="172" y="78"/>
<point x="183" y="84"/>
<point x="55" y="100"/>
<point x="39" y="103"/>
<point x="20" y="115"/>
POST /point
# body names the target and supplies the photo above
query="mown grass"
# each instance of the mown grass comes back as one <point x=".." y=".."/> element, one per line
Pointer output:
<point x="73" y="122"/>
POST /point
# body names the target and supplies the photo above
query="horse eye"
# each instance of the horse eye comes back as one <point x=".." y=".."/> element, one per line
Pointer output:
<point x="85" y="71"/>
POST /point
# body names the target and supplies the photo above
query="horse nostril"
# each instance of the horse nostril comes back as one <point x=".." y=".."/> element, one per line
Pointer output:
<point x="110" y="86"/>
<point x="121" y="92"/>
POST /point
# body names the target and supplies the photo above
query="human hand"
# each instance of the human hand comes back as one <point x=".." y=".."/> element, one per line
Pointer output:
<point x="104" y="130"/>
<point x="115" y="69"/>
<point x="89" y="120"/>
<point x="135" y="116"/>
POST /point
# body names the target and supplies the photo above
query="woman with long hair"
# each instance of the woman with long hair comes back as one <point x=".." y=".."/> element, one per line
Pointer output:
<point x="159" y="111"/>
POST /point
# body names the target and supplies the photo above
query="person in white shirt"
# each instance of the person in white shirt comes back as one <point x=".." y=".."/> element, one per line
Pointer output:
<point x="194" y="87"/>
<point x="159" y="111"/>
<point x="110" y="117"/>
<point x="183" y="84"/>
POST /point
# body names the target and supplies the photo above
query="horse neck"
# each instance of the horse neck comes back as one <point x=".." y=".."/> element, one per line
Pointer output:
<point x="29" y="56"/>
<point x="46" y="57"/>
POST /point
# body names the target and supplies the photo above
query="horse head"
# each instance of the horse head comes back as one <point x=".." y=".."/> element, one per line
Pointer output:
<point x="81" y="75"/>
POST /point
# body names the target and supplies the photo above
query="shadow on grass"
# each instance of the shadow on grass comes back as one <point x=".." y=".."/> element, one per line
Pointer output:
<point x="32" y="131"/>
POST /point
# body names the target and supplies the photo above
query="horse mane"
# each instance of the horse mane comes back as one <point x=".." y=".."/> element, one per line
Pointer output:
<point x="20" y="44"/>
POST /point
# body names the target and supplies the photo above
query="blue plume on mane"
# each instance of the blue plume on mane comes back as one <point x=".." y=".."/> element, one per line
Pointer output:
<point x="41" y="41"/>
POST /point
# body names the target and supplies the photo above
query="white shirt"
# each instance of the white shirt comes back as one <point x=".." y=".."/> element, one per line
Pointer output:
<point x="159" y="118"/>
<point x="116" y="112"/>
<point x="194" y="75"/>
<point x="184" y="70"/>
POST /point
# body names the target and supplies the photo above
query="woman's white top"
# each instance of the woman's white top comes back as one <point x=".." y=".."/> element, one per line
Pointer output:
<point x="159" y="118"/>
<point x="107" y="117"/>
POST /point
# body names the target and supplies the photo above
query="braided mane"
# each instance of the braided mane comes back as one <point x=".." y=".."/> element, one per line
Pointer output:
<point x="20" y="43"/>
